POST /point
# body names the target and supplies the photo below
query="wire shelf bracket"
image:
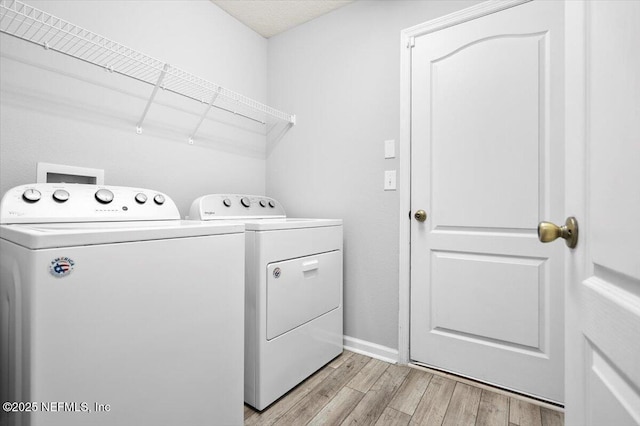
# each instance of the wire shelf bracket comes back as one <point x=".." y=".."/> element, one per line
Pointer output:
<point x="151" y="98"/>
<point x="28" y="23"/>
<point x="202" y="117"/>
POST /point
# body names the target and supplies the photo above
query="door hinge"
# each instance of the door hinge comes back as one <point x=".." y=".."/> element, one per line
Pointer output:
<point x="411" y="43"/>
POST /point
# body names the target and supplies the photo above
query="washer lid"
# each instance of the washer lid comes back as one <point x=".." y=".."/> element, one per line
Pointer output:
<point x="50" y="235"/>
<point x="288" y="223"/>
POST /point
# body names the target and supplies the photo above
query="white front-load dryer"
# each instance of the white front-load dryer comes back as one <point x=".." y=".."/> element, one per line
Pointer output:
<point x="293" y="292"/>
<point x="116" y="312"/>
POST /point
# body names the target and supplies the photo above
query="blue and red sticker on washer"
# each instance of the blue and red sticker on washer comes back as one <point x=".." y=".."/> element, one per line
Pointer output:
<point x="61" y="266"/>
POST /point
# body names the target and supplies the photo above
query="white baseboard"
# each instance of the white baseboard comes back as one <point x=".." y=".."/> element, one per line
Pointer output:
<point x="372" y="350"/>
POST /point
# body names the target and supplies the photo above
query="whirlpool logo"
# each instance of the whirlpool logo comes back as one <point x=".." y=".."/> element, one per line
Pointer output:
<point x="61" y="266"/>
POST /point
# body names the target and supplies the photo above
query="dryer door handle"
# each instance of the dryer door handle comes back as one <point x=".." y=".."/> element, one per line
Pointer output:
<point x="310" y="265"/>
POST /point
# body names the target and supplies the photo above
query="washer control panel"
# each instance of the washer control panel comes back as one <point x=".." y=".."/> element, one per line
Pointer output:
<point x="235" y="206"/>
<point x="60" y="202"/>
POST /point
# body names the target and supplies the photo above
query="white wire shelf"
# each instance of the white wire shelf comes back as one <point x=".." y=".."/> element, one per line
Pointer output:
<point x="28" y="23"/>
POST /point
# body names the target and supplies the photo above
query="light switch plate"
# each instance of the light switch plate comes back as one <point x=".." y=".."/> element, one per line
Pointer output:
<point x="389" y="180"/>
<point x="390" y="149"/>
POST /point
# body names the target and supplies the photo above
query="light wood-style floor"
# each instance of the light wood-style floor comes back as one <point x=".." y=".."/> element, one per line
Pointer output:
<point x="356" y="389"/>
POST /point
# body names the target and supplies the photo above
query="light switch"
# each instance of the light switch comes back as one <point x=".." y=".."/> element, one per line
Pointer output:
<point x="389" y="180"/>
<point x="390" y="149"/>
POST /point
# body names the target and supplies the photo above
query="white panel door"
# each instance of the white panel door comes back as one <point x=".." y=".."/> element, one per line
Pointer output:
<point x="603" y="192"/>
<point x="487" y="165"/>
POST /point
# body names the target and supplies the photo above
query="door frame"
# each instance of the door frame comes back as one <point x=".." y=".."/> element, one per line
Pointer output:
<point x="576" y="200"/>
<point x="407" y="37"/>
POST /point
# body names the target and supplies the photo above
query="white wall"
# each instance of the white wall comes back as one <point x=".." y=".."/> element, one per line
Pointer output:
<point x="58" y="110"/>
<point x="340" y="74"/>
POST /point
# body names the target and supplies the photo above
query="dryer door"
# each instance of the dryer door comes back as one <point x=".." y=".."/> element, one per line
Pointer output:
<point x="299" y="290"/>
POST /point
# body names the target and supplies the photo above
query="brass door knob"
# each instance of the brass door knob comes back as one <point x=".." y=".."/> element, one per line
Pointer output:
<point x="420" y="215"/>
<point x="548" y="232"/>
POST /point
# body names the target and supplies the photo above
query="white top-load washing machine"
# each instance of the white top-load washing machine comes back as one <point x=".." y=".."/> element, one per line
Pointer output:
<point x="116" y="312"/>
<point x="293" y="285"/>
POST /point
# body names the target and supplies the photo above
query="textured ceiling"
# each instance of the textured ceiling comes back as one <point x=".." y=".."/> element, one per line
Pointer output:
<point x="271" y="17"/>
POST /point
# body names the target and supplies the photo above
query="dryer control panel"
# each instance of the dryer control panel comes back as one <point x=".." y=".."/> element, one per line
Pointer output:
<point x="235" y="206"/>
<point x="61" y="202"/>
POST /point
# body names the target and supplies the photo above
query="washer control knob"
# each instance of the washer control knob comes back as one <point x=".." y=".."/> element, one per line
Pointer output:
<point x="60" y="195"/>
<point x="141" y="198"/>
<point x="104" y="196"/>
<point x="263" y="203"/>
<point x="159" y="199"/>
<point x="226" y="202"/>
<point x="272" y="204"/>
<point x="245" y="202"/>
<point x="31" y="195"/>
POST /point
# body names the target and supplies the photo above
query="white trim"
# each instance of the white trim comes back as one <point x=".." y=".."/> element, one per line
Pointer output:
<point x="461" y="16"/>
<point x="369" y="349"/>
<point x="404" y="172"/>
<point x="404" y="194"/>
<point x="576" y="127"/>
